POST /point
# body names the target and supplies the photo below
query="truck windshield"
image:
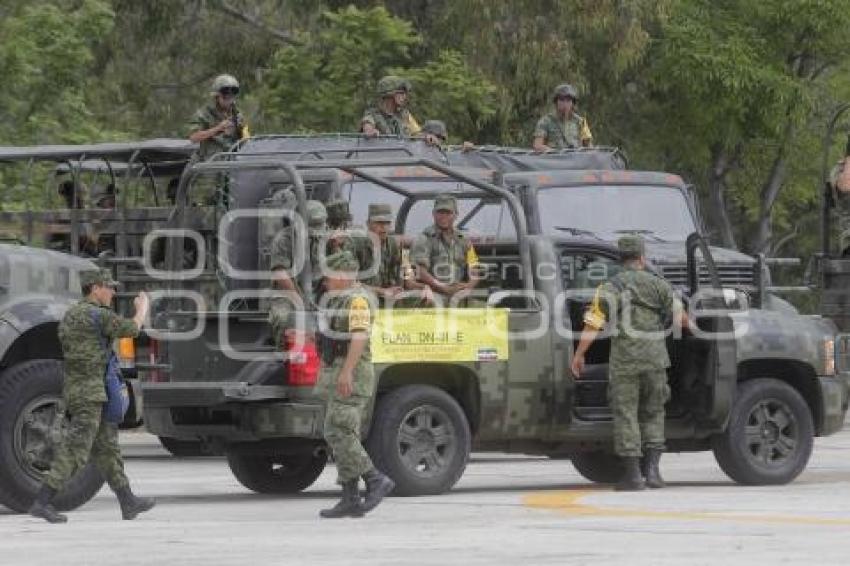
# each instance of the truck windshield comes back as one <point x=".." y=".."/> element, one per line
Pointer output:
<point x="608" y="211"/>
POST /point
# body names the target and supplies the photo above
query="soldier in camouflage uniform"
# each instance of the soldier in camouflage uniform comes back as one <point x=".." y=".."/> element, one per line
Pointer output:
<point x="282" y="309"/>
<point x="390" y="116"/>
<point x="841" y="193"/>
<point x="347" y="382"/>
<point x="445" y="259"/>
<point x="562" y="128"/>
<point x="641" y="304"/>
<point x="391" y="276"/>
<point x="219" y="124"/>
<point x="88" y="437"/>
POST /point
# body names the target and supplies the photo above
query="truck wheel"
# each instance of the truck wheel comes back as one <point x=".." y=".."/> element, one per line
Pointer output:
<point x="420" y="438"/>
<point x="598" y="467"/>
<point x="769" y="437"/>
<point x="183" y="448"/>
<point x="285" y="473"/>
<point x="30" y="425"/>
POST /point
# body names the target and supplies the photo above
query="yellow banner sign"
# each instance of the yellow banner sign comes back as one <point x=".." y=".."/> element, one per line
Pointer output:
<point x="445" y="335"/>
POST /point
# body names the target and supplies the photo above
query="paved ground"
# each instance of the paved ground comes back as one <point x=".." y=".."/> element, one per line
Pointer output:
<point x="505" y="510"/>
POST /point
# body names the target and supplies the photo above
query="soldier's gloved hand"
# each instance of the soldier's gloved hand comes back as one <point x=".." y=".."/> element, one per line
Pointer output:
<point x="344" y="384"/>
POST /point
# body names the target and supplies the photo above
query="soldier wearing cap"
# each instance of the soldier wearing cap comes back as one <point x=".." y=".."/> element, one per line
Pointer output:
<point x="347" y="382"/>
<point x="640" y="305"/>
<point x="88" y="437"/>
<point x="562" y="128"/>
<point x="436" y="134"/>
<point x="445" y="259"/>
<point x="390" y="116"/>
<point x="390" y="278"/>
<point x="219" y="124"/>
<point x="281" y="264"/>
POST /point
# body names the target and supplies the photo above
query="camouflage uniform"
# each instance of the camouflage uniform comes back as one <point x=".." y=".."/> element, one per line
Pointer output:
<point x="88" y="436"/>
<point x="400" y="123"/>
<point x="348" y="311"/>
<point x="209" y="116"/>
<point x="638" y="386"/>
<point x="560" y="133"/>
<point x="390" y="266"/>
<point x="448" y="258"/>
<point x="843" y="208"/>
<point x="281" y="309"/>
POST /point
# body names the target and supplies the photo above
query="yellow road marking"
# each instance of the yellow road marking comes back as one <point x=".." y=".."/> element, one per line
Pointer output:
<point x="569" y="502"/>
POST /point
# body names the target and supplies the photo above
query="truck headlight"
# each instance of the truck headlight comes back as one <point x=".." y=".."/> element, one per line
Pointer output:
<point x="829" y="356"/>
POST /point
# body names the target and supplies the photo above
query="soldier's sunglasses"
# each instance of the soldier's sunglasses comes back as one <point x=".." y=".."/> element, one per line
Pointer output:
<point x="229" y="91"/>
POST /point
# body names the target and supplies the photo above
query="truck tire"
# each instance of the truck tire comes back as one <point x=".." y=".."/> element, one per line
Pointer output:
<point x="285" y="473"/>
<point x="30" y="393"/>
<point x="420" y="437"/>
<point x="770" y="434"/>
<point x="180" y="448"/>
<point x="598" y="467"/>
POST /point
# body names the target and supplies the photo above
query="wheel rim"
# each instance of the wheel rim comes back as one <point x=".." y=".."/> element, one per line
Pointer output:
<point x="35" y="433"/>
<point x="772" y="433"/>
<point x="427" y="441"/>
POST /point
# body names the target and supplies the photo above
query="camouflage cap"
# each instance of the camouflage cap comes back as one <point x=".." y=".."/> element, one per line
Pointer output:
<point x="631" y="245"/>
<point x="380" y="213"/>
<point x="342" y="261"/>
<point x="445" y="202"/>
<point x="435" y="127"/>
<point x="101" y="277"/>
<point x="565" y="90"/>
<point x="317" y="216"/>
<point x="338" y="211"/>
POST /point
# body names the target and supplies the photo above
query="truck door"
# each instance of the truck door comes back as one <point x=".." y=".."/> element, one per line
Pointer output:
<point x="707" y="355"/>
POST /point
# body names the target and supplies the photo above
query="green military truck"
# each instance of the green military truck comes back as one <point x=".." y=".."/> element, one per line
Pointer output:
<point x="755" y="381"/>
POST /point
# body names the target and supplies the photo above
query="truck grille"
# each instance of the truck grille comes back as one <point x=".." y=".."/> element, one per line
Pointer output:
<point x="738" y="275"/>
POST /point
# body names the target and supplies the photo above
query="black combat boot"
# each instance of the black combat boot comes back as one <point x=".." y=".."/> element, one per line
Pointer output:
<point x="649" y="465"/>
<point x="631" y="480"/>
<point x="131" y="505"/>
<point x="349" y="505"/>
<point x="378" y="486"/>
<point x="42" y="508"/>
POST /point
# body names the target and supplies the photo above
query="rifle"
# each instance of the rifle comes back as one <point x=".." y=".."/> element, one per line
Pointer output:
<point x="238" y="127"/>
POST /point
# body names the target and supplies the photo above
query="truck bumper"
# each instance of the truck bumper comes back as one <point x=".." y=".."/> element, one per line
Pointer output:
<point x="229" y="412"/>
<point x="835" y="392"/>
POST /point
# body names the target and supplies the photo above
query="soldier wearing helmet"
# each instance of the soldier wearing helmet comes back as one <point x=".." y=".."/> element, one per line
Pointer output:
<point x="839" y="180"/>
<point x="562" y="128"/>
<point x="282" y="266"/>
<point x="390" y="115"/>
<point x="219" y="124"/>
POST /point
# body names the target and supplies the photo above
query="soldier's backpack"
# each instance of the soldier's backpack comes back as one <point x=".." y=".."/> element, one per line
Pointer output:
<point x="117" y="396"/>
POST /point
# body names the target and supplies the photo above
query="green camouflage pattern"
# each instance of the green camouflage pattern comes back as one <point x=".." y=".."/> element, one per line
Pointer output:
<point x="842" y="206"/>
<point x="389" y="272"/>
<point x="637" y="403"/>
<point x="344" y="415"/>
<point x="205" y="118"/>
<point x="443" y="257"/>
<point x="560" y="134"/>
<point x="87" y="438"/>
<point x="396" y="124"/>
<point x="650" y="300"/>
<point x="85" y="358"/>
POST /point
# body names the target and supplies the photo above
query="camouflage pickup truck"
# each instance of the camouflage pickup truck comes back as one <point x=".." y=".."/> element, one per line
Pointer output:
<point x="756" y="383"/>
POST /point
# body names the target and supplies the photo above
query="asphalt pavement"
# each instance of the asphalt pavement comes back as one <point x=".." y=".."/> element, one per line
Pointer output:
<point x="505" y="510"/>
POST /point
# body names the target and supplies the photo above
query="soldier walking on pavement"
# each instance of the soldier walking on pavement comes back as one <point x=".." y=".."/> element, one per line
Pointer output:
<point x="640" y="304"/>
<point x="445" y="258"/>
<point x="347" y="382"/>
<point x="88" y="436"/>
<point x="219" y="124"/>
<point x="562" y="128"/>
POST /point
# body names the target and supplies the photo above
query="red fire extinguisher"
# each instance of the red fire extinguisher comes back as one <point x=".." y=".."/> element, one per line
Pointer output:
<point x="303" y="366"/>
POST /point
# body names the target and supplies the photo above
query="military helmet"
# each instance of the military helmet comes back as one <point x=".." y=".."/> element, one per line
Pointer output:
<point x="317" y="216"/>
<point x="565" y="89"/>
<point x="101" y="277"/>
<point x="342" y="261"/>
<point x="224" y="81"/>
<point x="392" y="84"/>
<point x="631" y="245"/>
<point x="435" y="127"/>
